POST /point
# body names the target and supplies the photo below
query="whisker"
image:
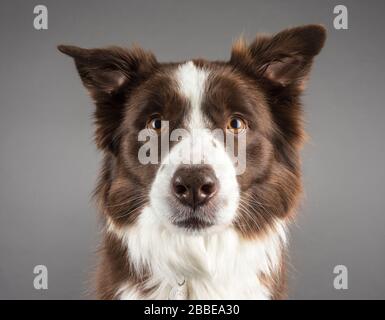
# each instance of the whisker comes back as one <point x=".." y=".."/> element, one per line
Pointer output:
<point x="140" y="207"/>
<point x="127" y="201"/>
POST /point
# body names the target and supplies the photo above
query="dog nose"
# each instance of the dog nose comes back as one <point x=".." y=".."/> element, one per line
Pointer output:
<point x="194" y="185"/>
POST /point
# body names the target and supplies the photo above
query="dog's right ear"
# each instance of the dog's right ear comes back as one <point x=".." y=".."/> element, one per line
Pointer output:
<point x="105" y="71"/>
<point x="110" y="74"/>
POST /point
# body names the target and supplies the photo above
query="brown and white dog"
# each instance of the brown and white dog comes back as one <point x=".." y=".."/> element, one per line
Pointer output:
<point x="180" y="230"/>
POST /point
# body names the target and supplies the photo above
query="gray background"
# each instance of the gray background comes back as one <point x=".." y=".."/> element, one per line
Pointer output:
<point x="48" y="164"/>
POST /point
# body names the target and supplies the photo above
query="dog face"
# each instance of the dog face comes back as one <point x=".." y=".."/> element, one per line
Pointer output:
<point x="184" y="115"/>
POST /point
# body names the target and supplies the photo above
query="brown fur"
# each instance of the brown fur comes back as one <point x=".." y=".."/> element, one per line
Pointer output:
<point x="263" y="81"/>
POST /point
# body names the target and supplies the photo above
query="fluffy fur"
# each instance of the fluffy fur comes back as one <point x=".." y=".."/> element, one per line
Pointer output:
<point x="232" y="247"/>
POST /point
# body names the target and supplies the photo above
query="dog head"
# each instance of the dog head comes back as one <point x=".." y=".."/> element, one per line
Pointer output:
<point x="166" y="130"/>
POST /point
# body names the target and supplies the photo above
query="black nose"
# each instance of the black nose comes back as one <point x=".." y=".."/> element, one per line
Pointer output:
<point x="194" y="185"/>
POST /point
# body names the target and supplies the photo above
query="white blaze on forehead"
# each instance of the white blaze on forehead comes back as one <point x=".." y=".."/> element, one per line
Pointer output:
<point x="191" y="84"/>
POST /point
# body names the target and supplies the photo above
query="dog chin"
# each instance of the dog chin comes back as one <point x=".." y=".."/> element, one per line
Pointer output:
<point x="196" y="224"/>
<point x="202" y="219"/>
<point x="196" y="227"/>
<point x="193" y="224"/>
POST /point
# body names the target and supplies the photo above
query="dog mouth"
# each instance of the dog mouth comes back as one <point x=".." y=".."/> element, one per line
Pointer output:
<point x="187" y="218"/>
<point x="193" y="223"/>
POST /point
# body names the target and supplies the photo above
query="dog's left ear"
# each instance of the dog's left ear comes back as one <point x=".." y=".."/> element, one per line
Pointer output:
<point x="283" y="59"/>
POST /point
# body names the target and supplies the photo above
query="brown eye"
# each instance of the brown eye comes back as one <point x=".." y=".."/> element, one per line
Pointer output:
<point x="236" y="124"/>
<point x="155" y="123"/>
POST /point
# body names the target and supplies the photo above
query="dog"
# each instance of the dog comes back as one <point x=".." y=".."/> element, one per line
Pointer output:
<point x="175" y="229"/>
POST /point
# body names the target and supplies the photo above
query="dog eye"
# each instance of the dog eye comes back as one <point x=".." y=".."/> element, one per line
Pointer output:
<point x="155" y="123"/>
<point x="236" y="124"/>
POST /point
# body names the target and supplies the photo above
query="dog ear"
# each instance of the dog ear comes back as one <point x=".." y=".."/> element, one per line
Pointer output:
<point x="105" y="71"/>
<point x="110" y="74"/>
<point x="283" y="59"/>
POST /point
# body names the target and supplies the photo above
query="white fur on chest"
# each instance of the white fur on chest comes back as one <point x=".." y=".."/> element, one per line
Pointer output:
<point x="219" y="265"/>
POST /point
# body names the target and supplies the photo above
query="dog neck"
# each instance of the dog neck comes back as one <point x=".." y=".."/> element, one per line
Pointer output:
<point x="181" y="265"/>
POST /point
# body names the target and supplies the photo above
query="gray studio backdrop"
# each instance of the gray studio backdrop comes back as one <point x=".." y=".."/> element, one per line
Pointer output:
<point x="48" y="164"/>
